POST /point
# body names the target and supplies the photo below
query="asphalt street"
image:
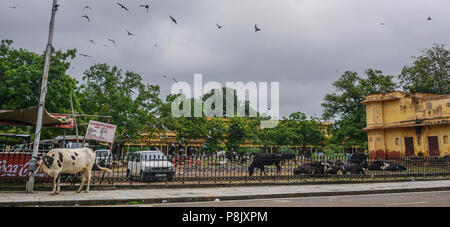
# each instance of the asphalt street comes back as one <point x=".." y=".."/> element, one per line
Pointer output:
<point x="417" y="199"/>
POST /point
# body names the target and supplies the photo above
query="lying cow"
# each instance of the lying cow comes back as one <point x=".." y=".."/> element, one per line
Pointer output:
<point x="386" y="166"/>
<point x="69" y="161"/>
<point x="337" y="167"/>
<point x="322" y="167"/>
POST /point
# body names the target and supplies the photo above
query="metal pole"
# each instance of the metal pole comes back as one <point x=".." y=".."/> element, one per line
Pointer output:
<point x="74" y="120"/>
<point x="33" y="161"/>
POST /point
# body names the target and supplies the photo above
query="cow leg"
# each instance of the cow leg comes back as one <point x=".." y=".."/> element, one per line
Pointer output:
<point x="59" y="183"/>
<point x="88" y="176"/>
<point x="83" y="179"/>
<point x="55" y="178"/>
<point x="278" y="168"/>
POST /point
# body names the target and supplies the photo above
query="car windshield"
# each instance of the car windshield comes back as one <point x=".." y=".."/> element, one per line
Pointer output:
<point x="153" y="157"/>
<point x="102" y="153"/>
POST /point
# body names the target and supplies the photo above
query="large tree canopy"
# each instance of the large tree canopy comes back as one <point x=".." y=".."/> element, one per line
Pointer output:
<point x="21" y="79"/>
<point x="429" y="73"/>
<point x="132" y="104"/>
<point x="345" y="106"/>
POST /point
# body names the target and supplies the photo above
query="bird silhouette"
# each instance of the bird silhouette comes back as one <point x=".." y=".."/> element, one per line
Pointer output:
<point x="429" y="18"/>
<point x="173" y="19"/>
<point x="382" y="23"/>
<point x="156" y="45"/>
<point x="14" y="6"/>
<point x="130" y="34"/>
<point x="92" y="41"/>
<point x="87" y="7"/>
<point x="145" y="6"/>
<point x="112" y="41"/>
<point x="85" y="16"/>
<point x="123" y="7"/>
<point x="256" y="28"/>
<point x="176" y="81"/>
<point x="85" y="55"/>
<point x="219" y="26"/>
<point x="164" y="76"/>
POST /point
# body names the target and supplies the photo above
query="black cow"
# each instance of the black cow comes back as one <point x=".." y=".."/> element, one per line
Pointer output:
<point x="262" y="159"/>
<point x="287" y="156"/>
<point x="357" y="164"/>
<point x="356" y="167"/>
<point x="386" y="166"/>
<point x="337" y="167"/>
<point x="313" y="168"/>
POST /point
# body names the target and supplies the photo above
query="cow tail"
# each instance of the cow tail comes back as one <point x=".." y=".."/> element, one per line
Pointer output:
<point x="103" y="169"/>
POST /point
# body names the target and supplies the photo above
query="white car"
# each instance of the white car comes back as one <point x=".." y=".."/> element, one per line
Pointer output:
<point x="149" y="166"/>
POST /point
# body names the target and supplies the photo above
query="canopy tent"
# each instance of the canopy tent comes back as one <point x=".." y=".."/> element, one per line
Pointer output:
<point x="28" y="117"/>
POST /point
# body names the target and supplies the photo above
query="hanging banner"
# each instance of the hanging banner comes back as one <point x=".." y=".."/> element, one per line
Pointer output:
<point x="101" y="131"/>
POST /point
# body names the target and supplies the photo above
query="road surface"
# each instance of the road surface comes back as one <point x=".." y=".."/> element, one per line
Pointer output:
<point x="417" y="199"/>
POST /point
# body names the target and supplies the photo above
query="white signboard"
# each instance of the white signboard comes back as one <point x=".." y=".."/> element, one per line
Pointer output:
<point x="101" y="131"/>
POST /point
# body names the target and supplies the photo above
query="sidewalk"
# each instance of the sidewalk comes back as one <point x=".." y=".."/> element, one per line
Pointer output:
<point x="148" y="196"/>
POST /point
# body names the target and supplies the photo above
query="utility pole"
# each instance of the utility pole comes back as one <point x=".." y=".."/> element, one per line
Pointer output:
<point x="33" y="161"/>
<point x="74" y="120"/>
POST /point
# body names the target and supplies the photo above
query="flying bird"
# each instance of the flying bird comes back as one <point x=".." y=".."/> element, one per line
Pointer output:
<point x="173" y="19"/>
<point x="219" y="26"/>
<point x="382" y="23"/>
<point x="130" y="34"/>
<point x="164" y="76"/>
<point x="85" y="55"/>
<point x="176" y="81"/>
<point x="145" y="6"/>
<point x="87" y="7"/>
<point x="156" y="45"/>
<point x="112" y="41"/>
<point x="123" y="7"/>
<point x="85" y="16"/>
<point x="256" y="28"/>
<point x="14" y="6"/>
<point x="429" y="19"/>
<point x="92" y="41"/>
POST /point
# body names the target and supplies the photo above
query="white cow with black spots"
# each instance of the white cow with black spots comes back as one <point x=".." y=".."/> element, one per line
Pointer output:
<point x="69" y="161"/>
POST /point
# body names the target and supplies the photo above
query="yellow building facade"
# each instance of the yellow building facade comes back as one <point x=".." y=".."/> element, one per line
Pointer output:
<point x="400" y="124"/>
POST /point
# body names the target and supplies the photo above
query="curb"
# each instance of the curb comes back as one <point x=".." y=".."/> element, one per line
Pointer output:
<point x="98" y="202"/>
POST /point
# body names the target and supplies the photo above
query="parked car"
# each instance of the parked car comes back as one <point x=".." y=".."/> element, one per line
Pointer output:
<point x="104" y="158"/>
<point x="150" y="166"/>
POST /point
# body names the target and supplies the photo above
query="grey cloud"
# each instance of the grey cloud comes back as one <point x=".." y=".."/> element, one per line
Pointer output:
<point x="301" y="44"/>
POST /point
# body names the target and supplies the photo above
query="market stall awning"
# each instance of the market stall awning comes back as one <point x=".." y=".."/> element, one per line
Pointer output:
<point x="28" y="117"/>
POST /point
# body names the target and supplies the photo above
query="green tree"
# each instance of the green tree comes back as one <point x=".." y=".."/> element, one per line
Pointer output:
<point x="21" y="78"/>
<point x="429" y="73"/>
<point x="345" y="108"/>
<point x="303" y="131"/>
<point x="132" y="104"/>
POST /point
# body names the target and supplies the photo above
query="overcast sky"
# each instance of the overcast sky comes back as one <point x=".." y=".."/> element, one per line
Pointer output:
<point x="301" y="45"/>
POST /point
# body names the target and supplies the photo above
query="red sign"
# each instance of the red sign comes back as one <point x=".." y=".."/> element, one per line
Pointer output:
<point x="16" y="165"/>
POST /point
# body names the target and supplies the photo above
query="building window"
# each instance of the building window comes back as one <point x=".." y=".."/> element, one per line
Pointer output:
<point x="379" y="139"/>
<point x="397" y="141"/>
<point x="445" y="139"/>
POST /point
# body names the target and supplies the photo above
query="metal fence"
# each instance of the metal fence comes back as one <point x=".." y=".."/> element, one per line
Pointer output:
<point x="155" y="167"/>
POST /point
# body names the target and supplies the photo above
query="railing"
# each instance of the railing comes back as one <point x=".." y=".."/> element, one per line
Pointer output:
<point x="232" y="168"/>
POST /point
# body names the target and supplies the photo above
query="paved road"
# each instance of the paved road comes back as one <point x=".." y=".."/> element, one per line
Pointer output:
<point x="419" y="199"/>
